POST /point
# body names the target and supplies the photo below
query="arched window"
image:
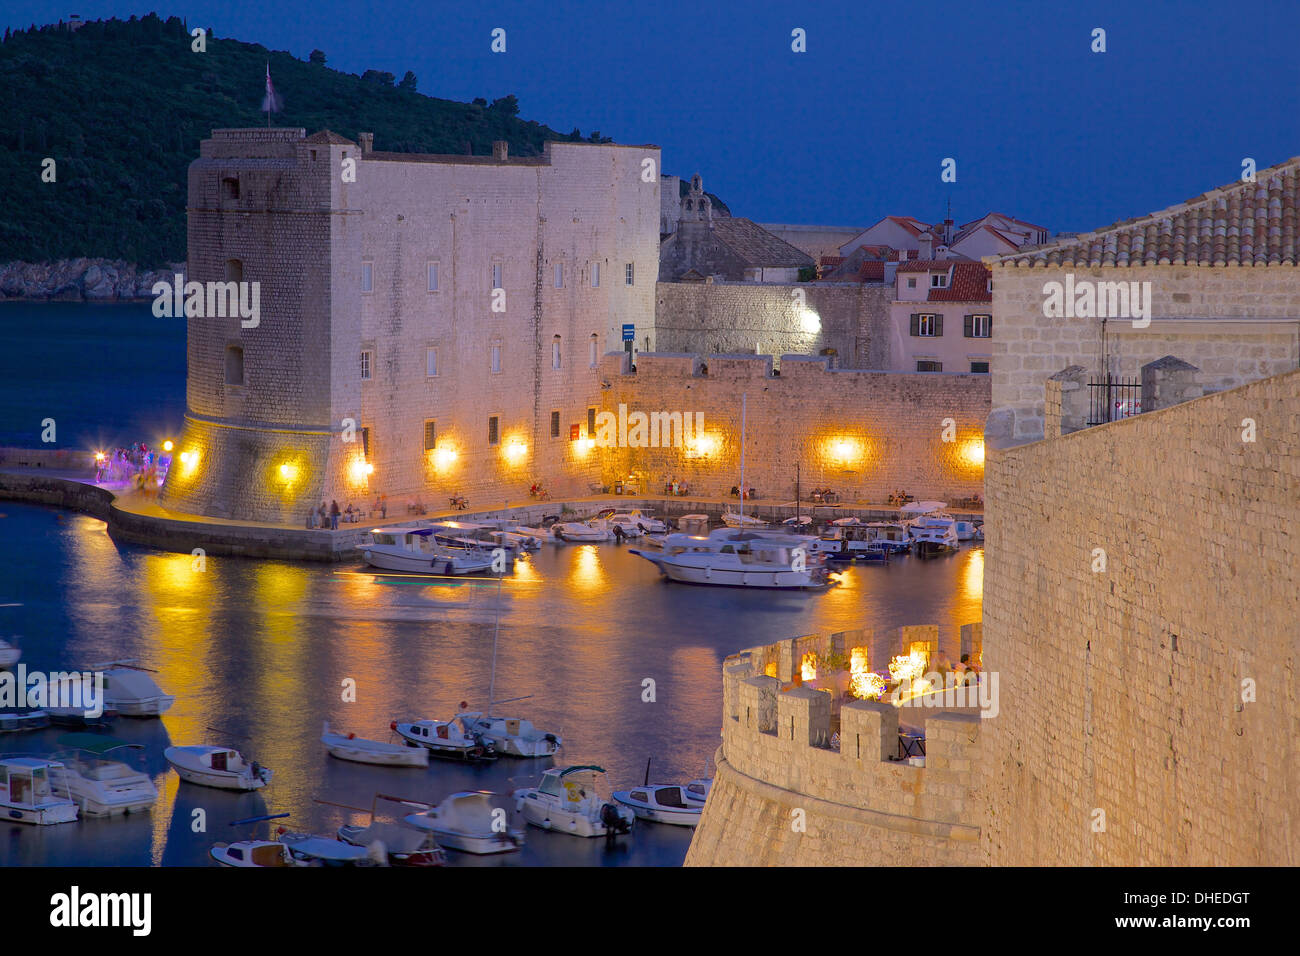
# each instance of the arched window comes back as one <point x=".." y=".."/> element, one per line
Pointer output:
<point x="555" y="352"/>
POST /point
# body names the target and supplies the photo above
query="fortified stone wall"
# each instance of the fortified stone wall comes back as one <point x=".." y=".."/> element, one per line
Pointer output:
<point x="1189" y="309"/>
<point x="800" y="318"/>
<point x="863" y="434"/>
<point x="783" y="795"/>
<point x="1122" y="685"/>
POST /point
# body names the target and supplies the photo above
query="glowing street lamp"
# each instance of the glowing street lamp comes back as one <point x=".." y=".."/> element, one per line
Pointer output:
<point x="167" y="445"/>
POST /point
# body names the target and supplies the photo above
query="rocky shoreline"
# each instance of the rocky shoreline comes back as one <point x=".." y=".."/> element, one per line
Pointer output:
<point x="81" y="280"/>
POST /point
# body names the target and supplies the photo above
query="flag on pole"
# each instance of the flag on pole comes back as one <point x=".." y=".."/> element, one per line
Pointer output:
<point x="271" y="101"/>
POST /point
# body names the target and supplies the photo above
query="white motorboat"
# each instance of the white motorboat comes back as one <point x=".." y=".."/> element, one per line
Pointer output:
<point x="567" y="801"/>
<point x="697" y="790"/>
<point x="742" y="522"/>
<point x="518" y="539"/>
<point x="474" y="537"/>
<point x="70" y="701"/>
<point x="511" y="736"/>
<point x="449" y="739"/>
<point x="662" y="803"/>
<point x="583" y="531"/>
<point x="637" y="522"/>
<point x="10" y="653"/>
<point x="306" y="849"/>
<point x="890" y="535"/>
<point x="360" y="750"/>
<point x="28" y="793"/>
<point x="252" y="853"/>
<point x="934" y="534"/>
<point x="15" y="721"/>
<point x="417" y="551"/>
<point x="404" y="845"/>
<point x="966" y="529"/>
<point x="131" y="691"/>
<point x="756" y="562"/>
<point x="220" y="767"/>
<point x="468" y="821"/>
<point x="99" y="786"/>
<point x="541" y="535"/>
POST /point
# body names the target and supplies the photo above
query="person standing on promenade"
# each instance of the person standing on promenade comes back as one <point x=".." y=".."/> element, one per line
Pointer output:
<point x="334" y="516"/>
<point x="383" y="506"/>
<point x="311" y="519"/>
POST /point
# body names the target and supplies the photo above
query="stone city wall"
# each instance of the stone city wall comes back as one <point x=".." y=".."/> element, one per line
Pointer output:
<point x="1122" y="688"/>
<point x="863" y="434"/>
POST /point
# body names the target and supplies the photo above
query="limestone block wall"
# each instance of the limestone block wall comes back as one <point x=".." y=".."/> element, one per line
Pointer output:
<point x="863" y="434"/>
<point x="783" y="796"/>
<point x="800" y="318"/>
<point x="1122" y="689"/>
<point x="1236" y="324"/>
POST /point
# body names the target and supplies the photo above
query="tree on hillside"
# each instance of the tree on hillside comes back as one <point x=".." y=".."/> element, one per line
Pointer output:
<point x="317" y="57"/>
<point x="506" y="105"/>
<point x="408" y="82"/>
<point x="378" y="76"/>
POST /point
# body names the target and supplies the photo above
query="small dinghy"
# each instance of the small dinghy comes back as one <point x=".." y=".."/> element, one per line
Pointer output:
<point x="131" y="692"/>
<point x="359" y="750"/>
<point x="405" y="845"/>
<point x="567" y="801"/>
<point x="220" y="767"/>
<point x="468" y="821"/>
<point x="28" y="792"/>
<point x="99" y="786"/>
<point x="448" y="739"/>
<point x="511" y="736"/>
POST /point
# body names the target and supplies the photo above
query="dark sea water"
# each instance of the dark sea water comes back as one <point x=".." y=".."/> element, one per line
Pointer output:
<point x="256" y="653"/>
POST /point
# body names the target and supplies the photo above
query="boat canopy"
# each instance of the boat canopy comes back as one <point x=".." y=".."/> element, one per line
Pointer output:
<point x="923" y="507"/>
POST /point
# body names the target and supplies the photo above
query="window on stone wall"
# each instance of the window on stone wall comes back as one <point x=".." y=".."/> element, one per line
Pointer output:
<point x="928" y="365"/>
<point x="494" y="430"/>
<point x="365" y="443"/>
<point x="367" y="277"/>
<point x="593" y="350"/>
<point x="559" y="275"/>
<point x="234" y="270"/>
<point x="496" y="275"/>
<point x="982" y="366"/>
<point x="555" y="424"/>
<point x="367" y="359"/>
<point x="926" y="324"/>
<point x="495" y="358"/>
<point x="430" y="435"/>
<point x="595" y="275"/>
<point x="591" y="423"/>
<point x="433" y="277"/>
<point x="911" y="283"/>
<point x="234" y="365"/>
<point x="629" y="274"/>
<point x="431" y="362"/>
<point x="555" y="352"/>
<point x="978" y="326"/>
<point x="230" y="187"/>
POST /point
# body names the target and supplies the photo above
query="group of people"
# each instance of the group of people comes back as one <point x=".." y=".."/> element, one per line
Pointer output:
<point x="329" y="517"/>
<point x="137" y="463"/>
<point x="965" y="671"/>
<point x="675" y="487"/>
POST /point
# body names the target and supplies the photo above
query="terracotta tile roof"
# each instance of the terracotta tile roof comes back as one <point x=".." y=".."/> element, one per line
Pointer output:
<point x="970" y="283"/>
<point x="1239" y="224"/>
<point x="926" y="265"/>
<point x="910" y="223"/>
<point x="757" y="246"/>
<point x="330" y="137"/>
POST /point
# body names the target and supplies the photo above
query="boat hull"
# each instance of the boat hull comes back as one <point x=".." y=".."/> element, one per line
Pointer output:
<point x="398" y="757"/>
<point x="678" y="818"/>
<point x="219" y="780"/>
<point x="725" y="577"/>
<point x="146" y="707"/>
<point x="480" y="844"/>
<point x="422" y="564"/>
<point x="45" y="815"/>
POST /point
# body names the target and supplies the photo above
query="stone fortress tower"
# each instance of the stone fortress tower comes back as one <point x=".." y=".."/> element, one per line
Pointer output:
<point x="429" y="325"/>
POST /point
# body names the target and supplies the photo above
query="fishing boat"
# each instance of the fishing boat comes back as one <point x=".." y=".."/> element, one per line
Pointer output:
<point x="360" y="750"/>
<point x="448" y="739"/>
<point x="28" y="793"/>
<point x="417" y="551"/>
<point x="99" y="786"/>
<point x="637" y="522"/>
<point x="567" y="801"/>
<point x="469" y="821"/>
<point x="130" y="690"/>
<point x="10" y="653"/>
<point x="403" y="844"/>
<point x="583" y="531"/>
<point x="661" y="803"/>
<point x="930" y="529"/>
<point x="220" y="767"/>
<point x="892" y="536"/>
<point x="754" y="562"/>
<point x="512" y="737"/>
<point x="18" y="720"/>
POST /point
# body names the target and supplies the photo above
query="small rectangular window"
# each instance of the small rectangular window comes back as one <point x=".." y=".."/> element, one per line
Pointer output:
<point x="496" y="358"/>
<point x="493" y="430"/>
<point x="430" y="435"/>
<point x="367" y="276"/>
<point x="555" y="424"/>
<point x="556" y="353"/>
<point x="365" y="443"/>
<point x="366" y="358"/>
<point x="628" y="274"/>
<point x="939" y="280"/>
<point x="431" y="362"/>
<point x="433" y="277"/>
<point x="230" y="187"/>
<point x="911" y="283"/>
<point x="927" y="324"/>
<point x="496" y="275"/>
<point x="929" y="366"/>
<point x="591" y="423"/>
<point x="559" y="275"/>
<point x="979" y="367"/>
<point x="979" y="326"/>
<point x="595" y="275"/>
<point x="593" y="351"/>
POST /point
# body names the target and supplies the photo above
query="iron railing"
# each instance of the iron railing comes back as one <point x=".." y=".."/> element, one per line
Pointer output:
<point x="1113" y="398"/>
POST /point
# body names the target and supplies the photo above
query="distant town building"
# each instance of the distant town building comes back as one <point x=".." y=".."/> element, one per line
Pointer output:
<point x="942" y="316"/>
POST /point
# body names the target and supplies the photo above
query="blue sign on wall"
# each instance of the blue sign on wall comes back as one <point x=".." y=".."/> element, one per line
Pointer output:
<point x="629" y="333"/>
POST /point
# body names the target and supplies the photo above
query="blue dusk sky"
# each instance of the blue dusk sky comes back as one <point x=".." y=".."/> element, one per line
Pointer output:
<point x="858" y="126"/>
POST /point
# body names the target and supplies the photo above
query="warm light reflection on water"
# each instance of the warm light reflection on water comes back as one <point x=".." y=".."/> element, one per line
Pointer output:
<point x="260" y="651"/>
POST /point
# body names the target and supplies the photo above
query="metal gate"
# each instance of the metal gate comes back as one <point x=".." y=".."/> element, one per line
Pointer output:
<point x="1113" y="398"/>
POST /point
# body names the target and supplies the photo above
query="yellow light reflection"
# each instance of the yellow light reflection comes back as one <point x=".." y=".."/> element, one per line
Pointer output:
<point x="588" y="573"/>
<point x="972" y="576"/>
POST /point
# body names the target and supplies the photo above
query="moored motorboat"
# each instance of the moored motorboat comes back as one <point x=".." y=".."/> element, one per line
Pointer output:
<point x="661" y="803"/>
<point x="966" y="528"/>
<point x="252" y="854"/>
<point x="583" y="531"/>
<point x="637" y="522"/>
<point x="742" y="522"/>
<point x="99" y="786"/>
<point x="567" y="801"/>
<point x="222" y="767"/>
<point x="449" y="739"/>
<point x="469" y="821"/>
<point x="27" y="718"/>
<point x="307" y="849"/>
<point x="28" y="793"/>
<point x="513" y="737"/>
<point x="404" y="844"/>
<point x="750" y="561"/>
<point x="131" y="691"/>
<point x="417" y="551"/>
<point x="360" y="750"/>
